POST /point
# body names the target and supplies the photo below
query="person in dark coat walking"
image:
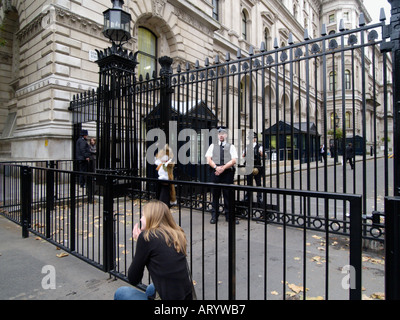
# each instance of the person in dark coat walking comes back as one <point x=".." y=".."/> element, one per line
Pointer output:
<point x="350" y="155"/>
<point x="83" y="155"/>
<point x="322" y="152"/>
<point x="258" y="169"/>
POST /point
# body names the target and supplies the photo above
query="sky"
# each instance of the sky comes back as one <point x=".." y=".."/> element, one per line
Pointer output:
<point x="374" y="9"/>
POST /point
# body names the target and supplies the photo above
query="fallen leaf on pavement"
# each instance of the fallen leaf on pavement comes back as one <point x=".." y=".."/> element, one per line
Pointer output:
<point x="378" y="295"/>
<point x="62" y="255"/>
<point x="315" y="298"/>
<point x="295" y="288"/>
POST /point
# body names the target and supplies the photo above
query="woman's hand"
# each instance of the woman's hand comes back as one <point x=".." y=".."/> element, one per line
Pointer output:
<point x="136" y="231"/>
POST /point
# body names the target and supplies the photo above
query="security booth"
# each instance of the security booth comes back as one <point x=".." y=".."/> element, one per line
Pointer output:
<point x="304" y="147"/>
<point x="357" y="142"/>
<point x="194" y="115"/>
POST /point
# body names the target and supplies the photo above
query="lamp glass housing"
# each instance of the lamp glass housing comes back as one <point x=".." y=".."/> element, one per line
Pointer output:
<point x="117" y="24"/>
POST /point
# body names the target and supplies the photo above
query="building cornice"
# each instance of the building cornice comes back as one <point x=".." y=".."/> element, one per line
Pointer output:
<point x="58" y="14"/>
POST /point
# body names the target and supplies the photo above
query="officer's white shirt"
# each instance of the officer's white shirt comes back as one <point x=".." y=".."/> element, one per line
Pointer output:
<point x="232" y="151"/>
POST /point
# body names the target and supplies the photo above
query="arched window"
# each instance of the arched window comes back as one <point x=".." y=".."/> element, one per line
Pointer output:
<point x="266" y="38"/>
<point x="147" y="57"/>
<point x="348" y="120"/>
<point x="244" y="25"/>
<point x="347" y="79"/>
<point x="334" y="120"/>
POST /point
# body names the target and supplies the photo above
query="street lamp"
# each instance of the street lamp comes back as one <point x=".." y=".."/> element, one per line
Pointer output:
<point x="117" y="23"/>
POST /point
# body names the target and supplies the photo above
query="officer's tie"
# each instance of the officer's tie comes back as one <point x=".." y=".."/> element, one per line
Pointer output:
<point x="221" y="154"/>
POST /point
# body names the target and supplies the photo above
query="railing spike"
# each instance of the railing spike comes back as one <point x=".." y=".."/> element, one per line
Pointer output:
<point x="251" y="50"/>
<point x="323" y="30"/>
<point x="382" y="16"/>
<point x="361" y="22"/>
<point x="290" y="40"/>
<point x="306" y="36"/>
<point x="341" y="25"/>
<point x="262" y="48"/>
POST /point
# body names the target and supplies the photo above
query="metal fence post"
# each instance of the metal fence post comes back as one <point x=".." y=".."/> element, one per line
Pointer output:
<point x="392" y="205"/>
<point x="108" y="225"/>
<point x="356" y="248"/>
<point x="49" y="197"/>
<point x="392" y="248"/>
<point x="232" y="247"/>
<point x="72" y="205"/>
<point x="394" y="30"/>
<point x="26" y="200"/>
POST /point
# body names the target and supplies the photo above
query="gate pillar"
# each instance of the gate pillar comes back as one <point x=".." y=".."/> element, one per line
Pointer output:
<point x="395" y="41"/>
<point x="392" y="204"/>
<point x="116" y="127"/>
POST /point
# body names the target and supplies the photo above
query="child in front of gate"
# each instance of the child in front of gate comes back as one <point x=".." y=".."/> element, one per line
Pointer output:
<point x="166" y="192"/>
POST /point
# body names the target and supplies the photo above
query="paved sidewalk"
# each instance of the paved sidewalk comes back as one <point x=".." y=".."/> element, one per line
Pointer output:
<point x="22" y="261"/>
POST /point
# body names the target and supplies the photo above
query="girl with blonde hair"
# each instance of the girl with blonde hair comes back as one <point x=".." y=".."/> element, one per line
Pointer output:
<point x="161" y="247"/>
<point x="165" y="166"/>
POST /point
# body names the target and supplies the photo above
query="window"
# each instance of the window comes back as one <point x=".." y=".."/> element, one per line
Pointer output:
<point x="348" y="119"/>
<point x="347" y="79"/>
<point x="244" y="25"/>
<point x="332" y="81"/>
<point x="266" y="39"/>
<point x="346" y="16"/>
<point x="331" y="18"/>
<point x="216" y="9"/>
<point x="147" y="57"/>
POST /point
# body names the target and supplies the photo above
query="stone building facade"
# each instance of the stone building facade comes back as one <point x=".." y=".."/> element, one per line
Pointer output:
<point x="49" y="52"/>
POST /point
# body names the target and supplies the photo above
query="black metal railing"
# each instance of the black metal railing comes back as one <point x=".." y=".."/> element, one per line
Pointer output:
<point x="228" y="261"/>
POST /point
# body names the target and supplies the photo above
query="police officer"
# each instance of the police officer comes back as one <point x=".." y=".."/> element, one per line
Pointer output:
<point x="83" y="155"/>
<point x="221" y="157"/>
<point x="258" y="170"/>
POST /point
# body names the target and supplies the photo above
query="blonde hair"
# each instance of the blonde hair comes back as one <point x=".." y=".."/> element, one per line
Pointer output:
<point x="159" y="220"/>
<point x="165" y="151"/>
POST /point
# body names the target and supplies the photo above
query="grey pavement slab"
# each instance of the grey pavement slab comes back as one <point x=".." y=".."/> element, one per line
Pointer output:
<point x="27" y="267"/>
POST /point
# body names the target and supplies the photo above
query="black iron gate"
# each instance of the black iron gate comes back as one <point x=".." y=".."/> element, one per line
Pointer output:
<point x="228" y="261"/>
<point x="329" y="91"/>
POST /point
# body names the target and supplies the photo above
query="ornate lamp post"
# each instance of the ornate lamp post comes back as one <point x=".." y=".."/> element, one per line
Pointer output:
<point x="117" y="23"/>
<point x="116" y="126"/>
